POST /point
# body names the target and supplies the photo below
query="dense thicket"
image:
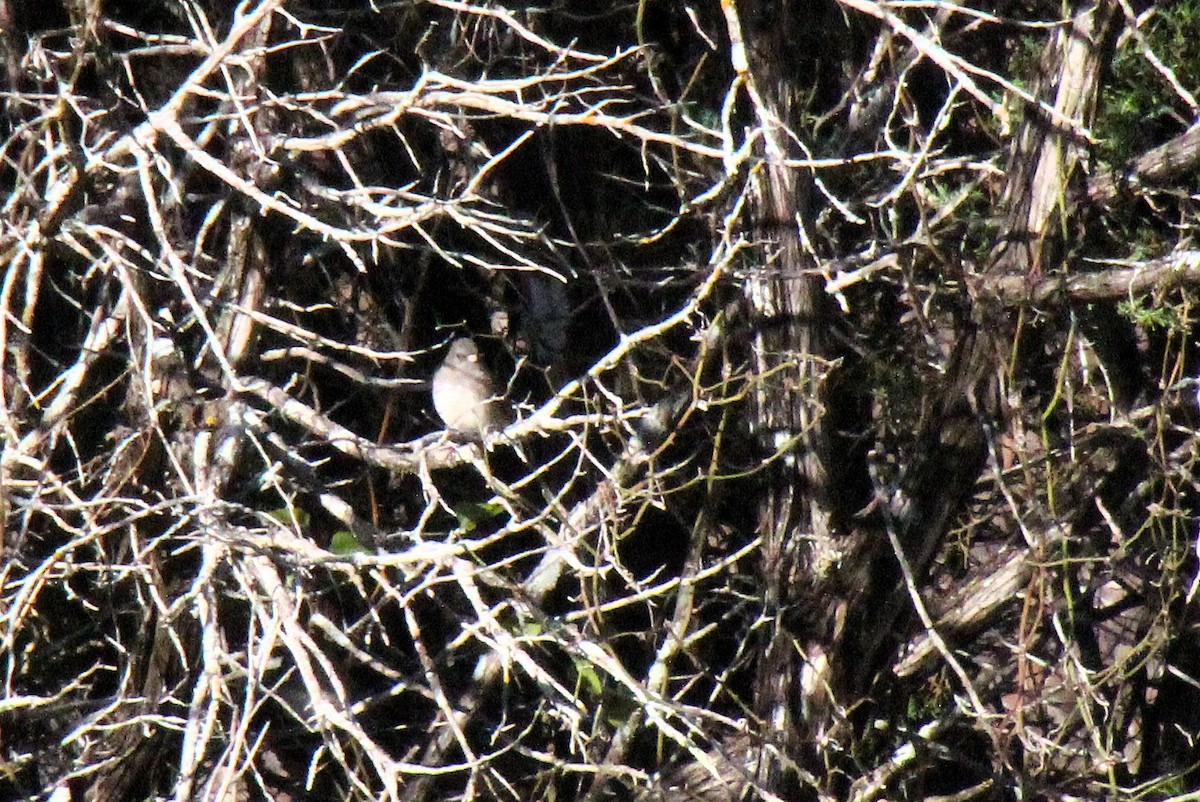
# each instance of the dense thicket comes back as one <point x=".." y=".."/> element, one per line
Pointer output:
<point x="851" y="349"/>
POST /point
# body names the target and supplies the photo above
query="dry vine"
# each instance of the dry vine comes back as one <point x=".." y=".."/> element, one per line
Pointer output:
<point x="854" y="451"/>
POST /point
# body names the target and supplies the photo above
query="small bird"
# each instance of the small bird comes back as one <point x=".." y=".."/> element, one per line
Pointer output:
<point x="464" y="394"/>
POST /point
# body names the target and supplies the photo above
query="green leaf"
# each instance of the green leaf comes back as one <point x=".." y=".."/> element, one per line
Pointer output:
<point x="289" y="516"/>
<point x="345" y="543"/>
<point x="588" y="676"/>
<point x="472" y="514"/>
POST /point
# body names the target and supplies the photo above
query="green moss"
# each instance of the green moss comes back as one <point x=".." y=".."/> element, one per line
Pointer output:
<point x="1138" y="107"/>
<point x="1147" y="314"/>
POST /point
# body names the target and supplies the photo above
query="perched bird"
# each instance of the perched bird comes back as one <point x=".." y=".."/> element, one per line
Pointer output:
<point x="464" y="394"/>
